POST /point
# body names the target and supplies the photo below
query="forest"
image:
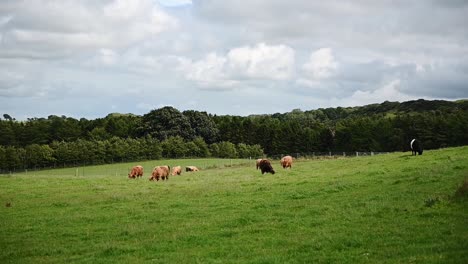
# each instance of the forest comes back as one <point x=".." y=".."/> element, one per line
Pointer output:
<point x="169" y="133"/>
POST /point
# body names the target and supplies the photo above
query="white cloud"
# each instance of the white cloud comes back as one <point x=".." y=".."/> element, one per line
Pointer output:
<point x="208" y="73"/>
<point x="175" y="3"/>
<point x="321" y="64"/>
<point x="388" y="92"/>
<point x="107" y="56"/>
<point x="261" y="62"/>
<point x="63" y="28"/>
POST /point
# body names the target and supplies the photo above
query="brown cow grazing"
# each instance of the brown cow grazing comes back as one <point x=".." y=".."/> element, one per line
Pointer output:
<point x="258" y="163"/>
<point x="160" y="172"/>
<point x="136" y="172"/>
<point x="191" y="168"/>
<point x="176" y="170"/>
<point x="286" y="162"/>
<point x="265" y="166"/>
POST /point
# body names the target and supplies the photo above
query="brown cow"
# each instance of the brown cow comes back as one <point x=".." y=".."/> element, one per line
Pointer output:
<point x="136" y="172"/>
<point x="258" y="163"/>
<point x="191" y="168"/>
<point x="286" y="162"/>
<point x="176" y="170"/>
<point x="160" y="172"/>
<point x="265" y="166"/>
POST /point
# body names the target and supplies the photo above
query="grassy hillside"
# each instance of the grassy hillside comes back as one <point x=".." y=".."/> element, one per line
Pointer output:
<point x="391" y="208"/>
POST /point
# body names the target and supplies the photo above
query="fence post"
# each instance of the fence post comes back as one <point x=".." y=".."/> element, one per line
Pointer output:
<point x="344" y="154"/>
<point x="357" y="154"/>
<point x="372" y="153"/>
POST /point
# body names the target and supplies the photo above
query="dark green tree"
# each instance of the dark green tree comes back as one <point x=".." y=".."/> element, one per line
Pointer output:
<point x="202" y="125"/>
<point x="167" y="122"/>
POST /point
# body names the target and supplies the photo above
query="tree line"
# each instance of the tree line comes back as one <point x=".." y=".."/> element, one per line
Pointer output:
<point x="388" y="126"/>
<point x="115" y="149"/>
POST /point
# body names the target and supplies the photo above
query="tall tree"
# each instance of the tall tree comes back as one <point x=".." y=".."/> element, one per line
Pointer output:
<point x="202" y="125"/>
<point x="167" y="122"/>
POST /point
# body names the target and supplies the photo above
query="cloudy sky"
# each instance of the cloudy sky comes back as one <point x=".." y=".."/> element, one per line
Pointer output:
<point x="89" y="58"/>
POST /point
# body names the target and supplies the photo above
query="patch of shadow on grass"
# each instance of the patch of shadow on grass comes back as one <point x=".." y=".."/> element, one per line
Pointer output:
<point x="195" y="239"/>
<point x="397" y="182"/>
<point x="302" y="182"/>
<point x="115" y="251"/>
<point x="179" y="205"/>
<point x="98" y="188"/>
<point x="60" y="204"/>
<point x="409" y="169"/>
<point x="239" y="222"/>
<point x="117" y="198"/>
<point x="303" y="250"/>
<point x="227" y="233"/>
<point x="150" y="205"/>
<point x="335" y="187"/>
<point x="265" y="206"/>
<point x="462" y="191"/>
<point x="301" y="195"/>
<point x="405" y="157"/>
<point x="347" y="243"/>
<point x="431" y="201"/>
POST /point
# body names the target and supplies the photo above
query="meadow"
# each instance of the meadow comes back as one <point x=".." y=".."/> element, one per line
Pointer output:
<point x="389" y="208"/>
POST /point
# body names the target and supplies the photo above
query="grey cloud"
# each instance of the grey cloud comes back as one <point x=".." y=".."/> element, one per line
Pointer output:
<point x="449" y="82"/>
<point x="132" y="58"/>
<point x="65" y="28"/>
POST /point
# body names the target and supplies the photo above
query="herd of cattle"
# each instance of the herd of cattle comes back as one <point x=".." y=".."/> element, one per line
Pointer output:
<point x="162" y="172"/>
<point x="159" y="172"/>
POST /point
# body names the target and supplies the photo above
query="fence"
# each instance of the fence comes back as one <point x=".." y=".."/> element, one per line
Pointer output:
<point x="123" y="167"/>
<point x="329" y="154"/>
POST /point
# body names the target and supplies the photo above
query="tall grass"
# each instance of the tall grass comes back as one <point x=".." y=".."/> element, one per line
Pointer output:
<point x="390" y="208"/>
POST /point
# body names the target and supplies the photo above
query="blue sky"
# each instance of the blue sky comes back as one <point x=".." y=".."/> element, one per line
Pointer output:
<point x="90" y="58"/>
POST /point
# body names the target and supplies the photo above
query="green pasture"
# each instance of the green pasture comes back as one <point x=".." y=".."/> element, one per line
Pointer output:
<point x="393" y="208"/>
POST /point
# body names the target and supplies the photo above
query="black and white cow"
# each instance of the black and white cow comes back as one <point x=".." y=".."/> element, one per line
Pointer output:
<point x="416" y="147"/>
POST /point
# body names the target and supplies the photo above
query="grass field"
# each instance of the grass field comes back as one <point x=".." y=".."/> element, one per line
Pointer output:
<point x="393" y="208"/>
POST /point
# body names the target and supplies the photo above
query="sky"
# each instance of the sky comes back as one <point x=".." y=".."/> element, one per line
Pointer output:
<point x="90" y="58"/>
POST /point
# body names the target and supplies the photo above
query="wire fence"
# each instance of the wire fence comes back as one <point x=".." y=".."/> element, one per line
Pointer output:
<point x="328" y="154"/>
<point x="124" y="167"/>
<point x="81" y="169"/>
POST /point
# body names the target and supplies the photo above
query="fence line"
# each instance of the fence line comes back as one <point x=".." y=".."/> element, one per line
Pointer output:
<point x="328" y="154"/>
<point x="76" y="168"/>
